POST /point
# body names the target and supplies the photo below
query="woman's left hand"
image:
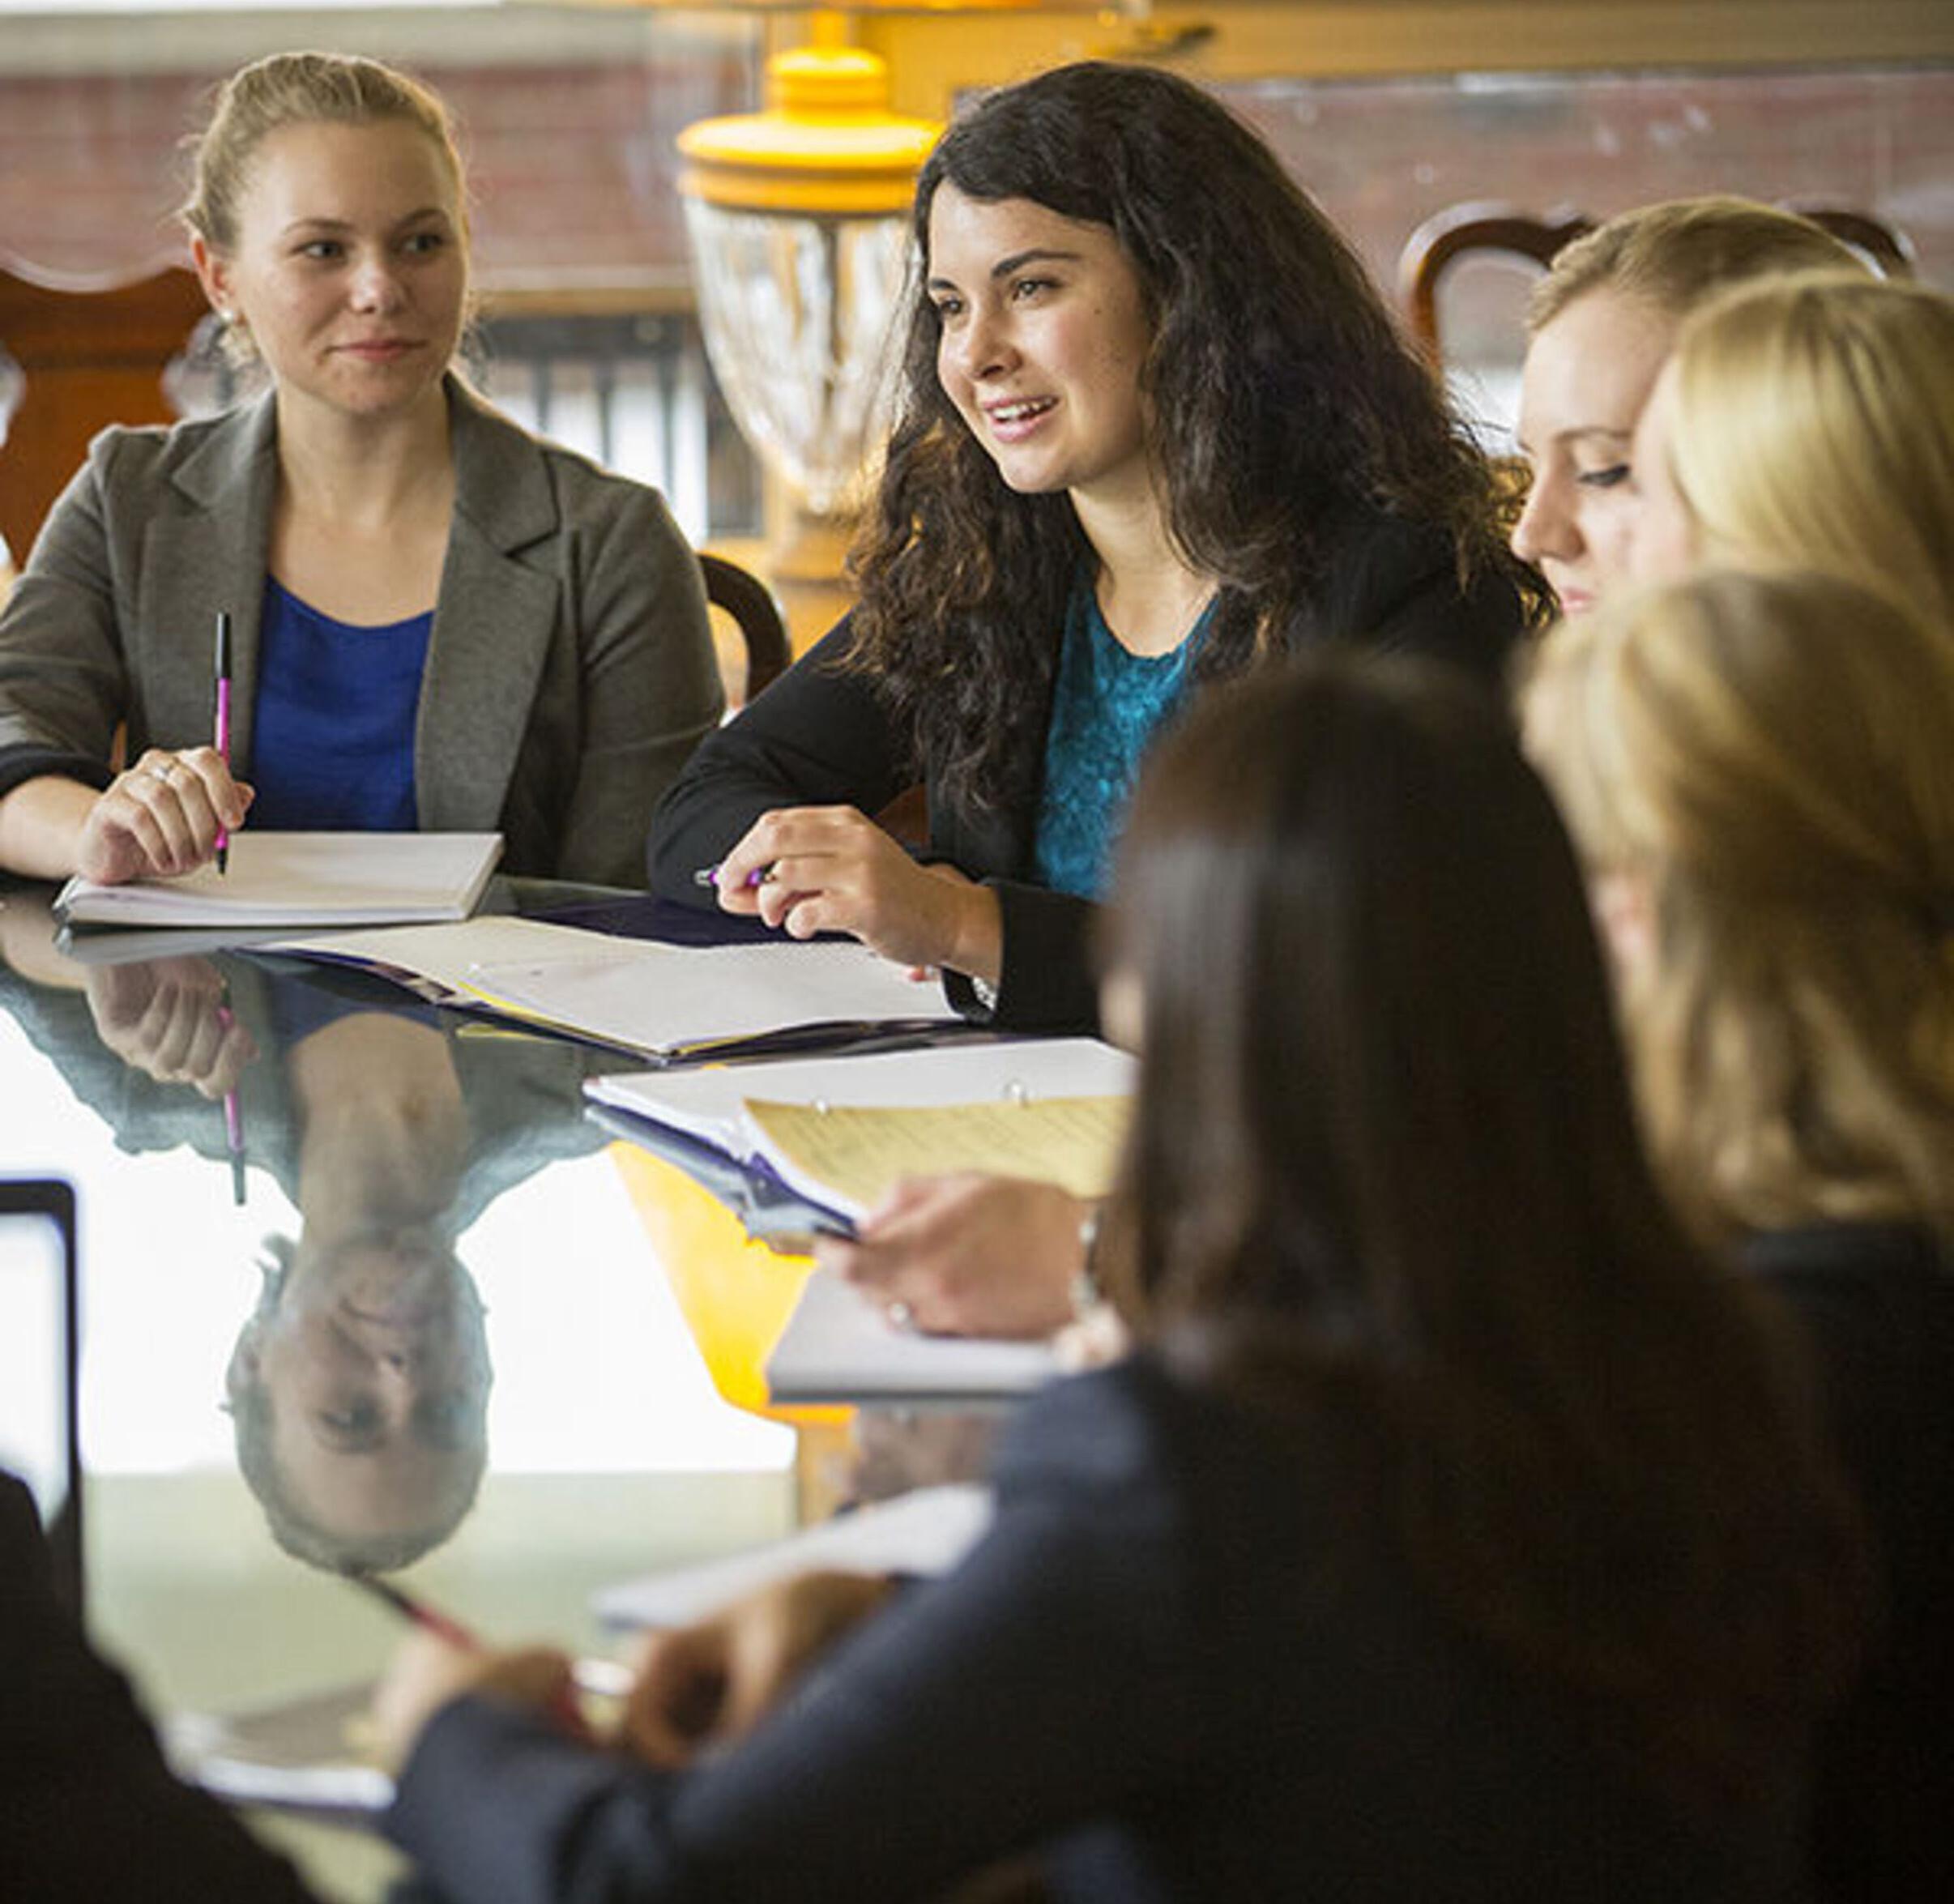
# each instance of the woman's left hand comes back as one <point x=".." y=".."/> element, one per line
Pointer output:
<point x="812" y="869"/>
<point x="427" y="1672"/>
<point x="967" y="1254"/>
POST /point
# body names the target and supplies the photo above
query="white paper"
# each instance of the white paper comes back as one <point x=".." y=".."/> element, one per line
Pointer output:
<point x="302" y="1753"/>
<point x="926" y="1532"/>
<point x="708" y="1104"/>
<point x="839" y="1346"/>
<point x="637" y="994"/>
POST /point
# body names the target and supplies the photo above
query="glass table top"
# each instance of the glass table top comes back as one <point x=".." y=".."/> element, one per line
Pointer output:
<point x="362" y="1286"/>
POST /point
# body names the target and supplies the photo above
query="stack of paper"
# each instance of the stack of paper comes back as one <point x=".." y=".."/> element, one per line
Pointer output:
<point x="801" y="1148"/>
<point x="293" y="879"/>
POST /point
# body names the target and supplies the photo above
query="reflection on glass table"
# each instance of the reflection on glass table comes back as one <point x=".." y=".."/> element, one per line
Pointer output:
<point x="436" y="1335"/>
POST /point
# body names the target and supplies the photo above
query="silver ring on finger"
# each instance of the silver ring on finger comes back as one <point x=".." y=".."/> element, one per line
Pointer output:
<point x="901" y="1316"/>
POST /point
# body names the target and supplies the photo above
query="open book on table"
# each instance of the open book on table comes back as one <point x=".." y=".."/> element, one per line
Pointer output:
<point x="815" y="1143"/>
<point x="660" y="1004"/>
<point x="302" y="879"/>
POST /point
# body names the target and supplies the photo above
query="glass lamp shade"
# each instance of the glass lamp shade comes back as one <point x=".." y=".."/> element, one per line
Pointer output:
<point x="798" y="223"/>
<point x="796" y="311"/>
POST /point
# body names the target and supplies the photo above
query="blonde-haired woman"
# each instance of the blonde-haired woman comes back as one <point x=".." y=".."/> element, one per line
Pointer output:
<point x="437" y="620"/>
<point x="1807" y="423"/>
<point x="1756" y="770"/>
<point x="1599" y="325"/>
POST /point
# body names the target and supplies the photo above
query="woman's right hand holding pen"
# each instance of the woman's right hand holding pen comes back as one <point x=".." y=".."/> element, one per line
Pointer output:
<point x="695" y="1690"/>
<point x="160" y="817"/>
<point x="831" y="869"/>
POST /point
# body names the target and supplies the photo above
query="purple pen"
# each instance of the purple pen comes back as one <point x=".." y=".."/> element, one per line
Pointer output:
<point x="710" y="876"/>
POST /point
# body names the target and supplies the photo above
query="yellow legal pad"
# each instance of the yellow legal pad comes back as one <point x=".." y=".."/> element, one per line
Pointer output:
<point x="851" y="1155"/>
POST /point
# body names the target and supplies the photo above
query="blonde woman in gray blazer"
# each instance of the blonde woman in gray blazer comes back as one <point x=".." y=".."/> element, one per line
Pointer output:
<point x="567" y="669"/>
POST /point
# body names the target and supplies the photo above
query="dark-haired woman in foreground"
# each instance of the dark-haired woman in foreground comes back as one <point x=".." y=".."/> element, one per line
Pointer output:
<point x="1451" y="1532"/>
<point x="1155" y="426"/>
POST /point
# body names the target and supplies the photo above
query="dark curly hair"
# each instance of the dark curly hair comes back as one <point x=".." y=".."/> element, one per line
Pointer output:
<point x="1286" y="406"/>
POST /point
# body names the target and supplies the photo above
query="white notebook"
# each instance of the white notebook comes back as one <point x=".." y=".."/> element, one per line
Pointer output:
<point x="289" y="879"/>
<point x="838" y="1346"/>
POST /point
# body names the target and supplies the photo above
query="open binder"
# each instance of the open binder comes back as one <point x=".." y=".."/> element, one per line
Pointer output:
<point x="657" y="1003"/>
<point x="798" y="1148"/>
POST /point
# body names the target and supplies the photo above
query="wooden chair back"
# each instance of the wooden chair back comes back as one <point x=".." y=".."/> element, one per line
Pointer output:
<point x="87" y="358"/>
<point x="755" y="612"/>
<point x="1489" y="228"/>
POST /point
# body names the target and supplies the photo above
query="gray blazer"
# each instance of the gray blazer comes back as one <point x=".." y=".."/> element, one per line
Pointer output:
<point x="570" y="675"/>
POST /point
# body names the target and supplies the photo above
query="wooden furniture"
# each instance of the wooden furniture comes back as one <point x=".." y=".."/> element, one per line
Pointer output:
<point x="751" y="604"/>
<point x="91" y="358"/>
<point x="1490" y="228"/>
<point x="87" y="358"/>
<point x="1482" y="225"/>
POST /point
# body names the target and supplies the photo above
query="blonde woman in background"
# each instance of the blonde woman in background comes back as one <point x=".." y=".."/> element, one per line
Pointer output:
<point x="1807" y="423"/>
<point x="439" y="620"/>
<point x="1759" y="772"/>
<point x="1599" y="325"/>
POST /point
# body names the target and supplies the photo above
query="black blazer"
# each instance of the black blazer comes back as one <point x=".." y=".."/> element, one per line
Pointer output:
<point x="822" y="736"/>
<point x="1877" y="1301"/>
<point x="89" y="1809"/>
<point x="1167" y="1669"/>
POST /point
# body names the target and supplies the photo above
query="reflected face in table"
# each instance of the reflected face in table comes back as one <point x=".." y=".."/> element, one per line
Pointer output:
<point x="360" y="1388"/>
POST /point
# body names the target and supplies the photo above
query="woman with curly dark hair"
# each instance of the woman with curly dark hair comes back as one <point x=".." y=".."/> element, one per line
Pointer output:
<point x="1155" y="426"/>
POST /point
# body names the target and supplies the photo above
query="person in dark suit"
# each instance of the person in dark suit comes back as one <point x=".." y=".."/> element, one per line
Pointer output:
<point x="88" y="1806"/>
<point x="1756" y="770"/>
<point x="1453" y="1531"/>
<point x="438" y="621"/>
<point x="1128" y="465"/>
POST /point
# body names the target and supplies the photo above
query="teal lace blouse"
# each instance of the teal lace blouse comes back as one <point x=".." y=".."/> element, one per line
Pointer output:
<point x="1106" y="705"/>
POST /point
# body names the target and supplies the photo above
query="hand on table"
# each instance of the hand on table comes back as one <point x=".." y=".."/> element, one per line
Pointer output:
<point x="428" y="1671"/>
<point x="161" y="817"/>
<point x="966" y="1254"/>
<point x="711" y="1683"/>
<point x="830" y="868"/>
<point x="168" y="1017"/>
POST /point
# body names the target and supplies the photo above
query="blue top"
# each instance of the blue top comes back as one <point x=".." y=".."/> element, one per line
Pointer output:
<point x="332" y="745"/>
<point x="1106" y="705"/>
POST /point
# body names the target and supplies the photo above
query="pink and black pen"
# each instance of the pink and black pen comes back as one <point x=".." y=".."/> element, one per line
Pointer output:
<point x="603" y="1677"/>
<point x="418" y="1611"/>
<point x="233" y="1113"/>
<point x="223" y="740"/>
